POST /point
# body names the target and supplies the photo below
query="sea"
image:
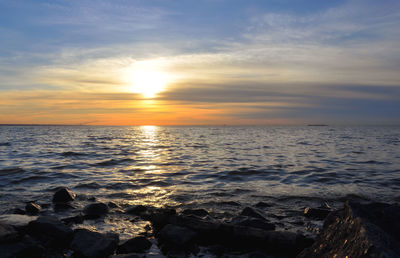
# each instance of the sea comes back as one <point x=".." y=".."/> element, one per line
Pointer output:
<point x="222" y="169"/>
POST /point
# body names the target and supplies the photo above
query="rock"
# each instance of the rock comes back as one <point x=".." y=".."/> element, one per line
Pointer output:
<point x="7" y="233"/>
<point x="95" y="210"/>
<point x="27" y="247"/>
<point x="196" y="212"/>
<point x="316" y="213"/>
<point x="281" y="243"/>
<point x="78" y="219"/>
<point x="253" y="222"/>
<point x="90" y="244"/>
<point x="16" y="220"/>
<point x="176" y="236"/>
<point x="136" y="210"/>
<point x="63" y="195"/>
<point x="48" y="228"/>
<point x="249" y="212"/>
<point x="359" y="230"/>
<point x="32" y="208"/>
<point x="60" y="206"/>
<point x="159" y="217"/>
<point x="135" y="245"/>
<point x="112" y="205"/>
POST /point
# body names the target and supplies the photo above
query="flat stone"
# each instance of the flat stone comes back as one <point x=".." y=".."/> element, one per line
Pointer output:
<point x="136" y="210"/>
<point x="253" y="222"/>
<point x="63" y="195"/>
<point x="135" y="245"/>
<point x="90" y="244"/>
<point x="16" y="220"/>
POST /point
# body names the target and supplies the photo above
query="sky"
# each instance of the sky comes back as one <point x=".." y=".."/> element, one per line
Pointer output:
<point x="203" y="62"/>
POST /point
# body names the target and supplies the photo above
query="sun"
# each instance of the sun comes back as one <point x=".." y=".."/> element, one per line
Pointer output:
<point x="147" y="78"/>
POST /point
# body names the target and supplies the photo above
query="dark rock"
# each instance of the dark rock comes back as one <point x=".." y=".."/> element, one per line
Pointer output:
<point x="159" y="217"/>
<point x="95" y="210"/>
<point x="18" y="211"/>
<point x="359" y="230"/>
<point x="253" y="222"/>
<point x="176" y="236"/>
<point x="63" y="195"/>
<point x="32" y="208"/>
<point x="135" y="245"/>
<point x="316" y="213"/>
<point x="112" y="205"/>
<point x="7" y="233"/>
<point x="282" y="243"/>
<point x="47" y="228"/>
<point x="249" y="212"/>
<point x="27" y="247"/>
<point x="231" y="203"/>
<point x="262" y="205"/>
<point x="78" y="219"/>
<point x="63" y="206"/>
<point x="90" y="244"/>
<point x="196" y="212"/>
<point x="92" y="199"/>
<point x="136" y="210"/>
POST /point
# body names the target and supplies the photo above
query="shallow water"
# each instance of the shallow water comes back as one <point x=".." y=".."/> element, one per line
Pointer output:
<point x="221" y="169"/>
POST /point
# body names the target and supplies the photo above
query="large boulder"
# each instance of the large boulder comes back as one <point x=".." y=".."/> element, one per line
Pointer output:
<point x="135" y="245"/>
<point x="63" y="195"/>
<point x="95" y="210"/>
<point x="253" y="222"/>
<point x="90" y="244"/>
<point x="316" y="213"/>
<point x="196" y="212"/>
<point x="50" y="229"/>
<point x="359" y="230"/>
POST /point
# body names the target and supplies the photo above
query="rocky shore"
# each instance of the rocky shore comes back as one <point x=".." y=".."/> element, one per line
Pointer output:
<point x="356" y="230"/>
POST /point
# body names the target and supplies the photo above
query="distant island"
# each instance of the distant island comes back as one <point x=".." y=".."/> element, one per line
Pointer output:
<point x="317" y="125"/>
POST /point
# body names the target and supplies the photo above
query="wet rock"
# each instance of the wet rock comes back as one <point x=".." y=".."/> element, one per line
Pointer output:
<point x="112" y="205"/>
<point x="253" y="222"/>
<point x="136" y="210"/>
<point x="7" y="233"/>
<point x="16" y="220"/>
<point x="63" y="206"/>
<point x="78" y="219"/>
<point x="95" y="210"/>
<point x="316" y="213"/>
<point x="48" y="228"/>
<point x="159" y="217"/>
<point x="359" y="230"/>
<point x="63" y="195"/>
<point x="196" y="212"/>
<point x="90" y="244"/>
<point x="135" y="245"/>
<point x="176" y="237"/>
<point x="231" y="203"/>
<point x="275" y="242"/>
<point x="250" y="212"/>
<point x="27" y="247"/>
<point x="32" y="208"/>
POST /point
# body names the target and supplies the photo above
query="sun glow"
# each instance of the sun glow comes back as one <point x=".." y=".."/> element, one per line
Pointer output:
<point x="147" y="78"/>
